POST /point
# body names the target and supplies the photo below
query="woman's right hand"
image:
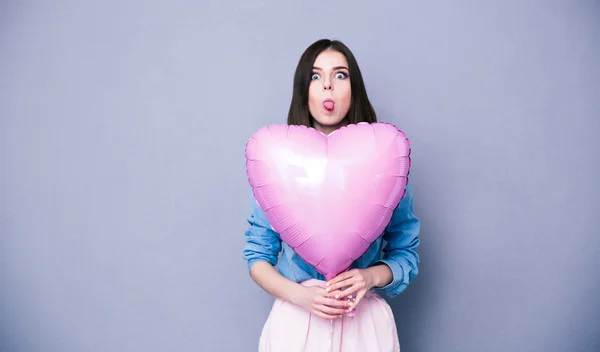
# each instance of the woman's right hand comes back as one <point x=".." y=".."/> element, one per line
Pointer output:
<point x="312" y="298"/>
<point x="322" y="303"/>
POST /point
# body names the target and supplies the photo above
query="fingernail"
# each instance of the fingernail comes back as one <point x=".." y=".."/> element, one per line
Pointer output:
<point x="337" y="296"/>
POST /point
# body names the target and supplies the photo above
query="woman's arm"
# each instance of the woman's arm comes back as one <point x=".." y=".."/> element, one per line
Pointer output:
<point x="261" y="252"/>
<point x="270" y="280"/>
<point x="400" y="253"/>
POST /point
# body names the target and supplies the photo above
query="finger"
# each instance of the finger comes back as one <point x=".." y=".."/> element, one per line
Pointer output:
<point x="342" y="303"/>
<point x="342" y="284"/>
<point x="331" y="310"/>
<point x="341" y="277"/>
<point x="332" y="302"/>
<point x="350" y="290"/>
<point x="359" y="297"/>
<point x="323" y="292"/>
<point x="332" y="294"/>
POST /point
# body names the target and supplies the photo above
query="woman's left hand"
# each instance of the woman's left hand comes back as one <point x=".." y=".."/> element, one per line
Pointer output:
<point x="355" y="281"/>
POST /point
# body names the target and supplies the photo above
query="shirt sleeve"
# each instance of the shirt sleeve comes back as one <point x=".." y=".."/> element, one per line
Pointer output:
<point x="400" y="251"/>
<point x="262" y="243"/>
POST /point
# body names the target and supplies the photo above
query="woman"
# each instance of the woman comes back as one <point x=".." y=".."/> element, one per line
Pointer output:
<point x="309" y="314"/>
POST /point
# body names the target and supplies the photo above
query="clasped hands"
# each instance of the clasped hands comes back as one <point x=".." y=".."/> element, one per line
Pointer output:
<point x="341" y="294"/>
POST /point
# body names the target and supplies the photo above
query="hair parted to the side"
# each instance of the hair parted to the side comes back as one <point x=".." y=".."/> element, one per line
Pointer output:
<point x="360" y="110"/>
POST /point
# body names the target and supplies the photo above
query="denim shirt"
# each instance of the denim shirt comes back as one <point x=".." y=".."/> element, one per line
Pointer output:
<point x="397" y="248"/>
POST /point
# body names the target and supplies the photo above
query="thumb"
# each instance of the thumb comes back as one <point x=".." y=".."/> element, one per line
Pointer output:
<point x="332" y="294"/>
<point x="359" y="297"/>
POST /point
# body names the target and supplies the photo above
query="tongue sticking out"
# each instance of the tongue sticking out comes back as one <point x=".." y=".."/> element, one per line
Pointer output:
<point x="328" y="105"/>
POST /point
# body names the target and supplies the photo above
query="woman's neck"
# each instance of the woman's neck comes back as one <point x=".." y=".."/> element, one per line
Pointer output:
<point x="328" y="129"/>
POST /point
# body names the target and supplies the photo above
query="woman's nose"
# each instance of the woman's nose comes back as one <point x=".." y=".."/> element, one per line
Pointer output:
<point x="327" y="85"/>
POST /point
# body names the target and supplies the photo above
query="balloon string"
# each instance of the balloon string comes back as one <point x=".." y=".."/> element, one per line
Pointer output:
<point x="330" y="337"/>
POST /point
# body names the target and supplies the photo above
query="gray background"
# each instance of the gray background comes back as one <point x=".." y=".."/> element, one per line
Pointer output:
<point x="123" y="190"/>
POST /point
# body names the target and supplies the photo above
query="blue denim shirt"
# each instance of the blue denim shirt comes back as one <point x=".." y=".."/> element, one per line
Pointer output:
<point x="396" y="248"/>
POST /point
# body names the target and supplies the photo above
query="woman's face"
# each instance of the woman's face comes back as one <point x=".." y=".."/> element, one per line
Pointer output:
<point x="329" y="93"/>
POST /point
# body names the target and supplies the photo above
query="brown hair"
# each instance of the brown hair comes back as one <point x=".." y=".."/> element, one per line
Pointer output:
<point x="360" y="107"/>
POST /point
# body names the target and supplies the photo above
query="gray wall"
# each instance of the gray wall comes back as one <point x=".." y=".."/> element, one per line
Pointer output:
<point x="123" y="190"/>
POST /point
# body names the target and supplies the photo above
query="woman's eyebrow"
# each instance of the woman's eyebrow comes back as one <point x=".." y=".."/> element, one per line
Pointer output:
<point x="335" y="68"/>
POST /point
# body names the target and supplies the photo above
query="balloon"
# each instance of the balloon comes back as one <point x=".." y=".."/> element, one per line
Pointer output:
<point x="328" y="196"/>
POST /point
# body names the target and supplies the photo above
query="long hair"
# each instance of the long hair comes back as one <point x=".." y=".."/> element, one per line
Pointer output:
<point x="360" y="107"/>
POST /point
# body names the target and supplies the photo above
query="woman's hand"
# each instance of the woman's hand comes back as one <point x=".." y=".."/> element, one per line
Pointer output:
<point x="314" y="299"/>
<point x="355" y="281"/>
<point x="318" y="301"/>
<point x="359" y="282"/>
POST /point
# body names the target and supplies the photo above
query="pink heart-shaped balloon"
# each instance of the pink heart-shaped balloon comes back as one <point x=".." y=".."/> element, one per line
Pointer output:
<point x="329" y="197"/>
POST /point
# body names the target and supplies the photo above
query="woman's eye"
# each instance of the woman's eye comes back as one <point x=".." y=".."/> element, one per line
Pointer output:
<point x="340" y="75"/>
<point x="315" y="76"/>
